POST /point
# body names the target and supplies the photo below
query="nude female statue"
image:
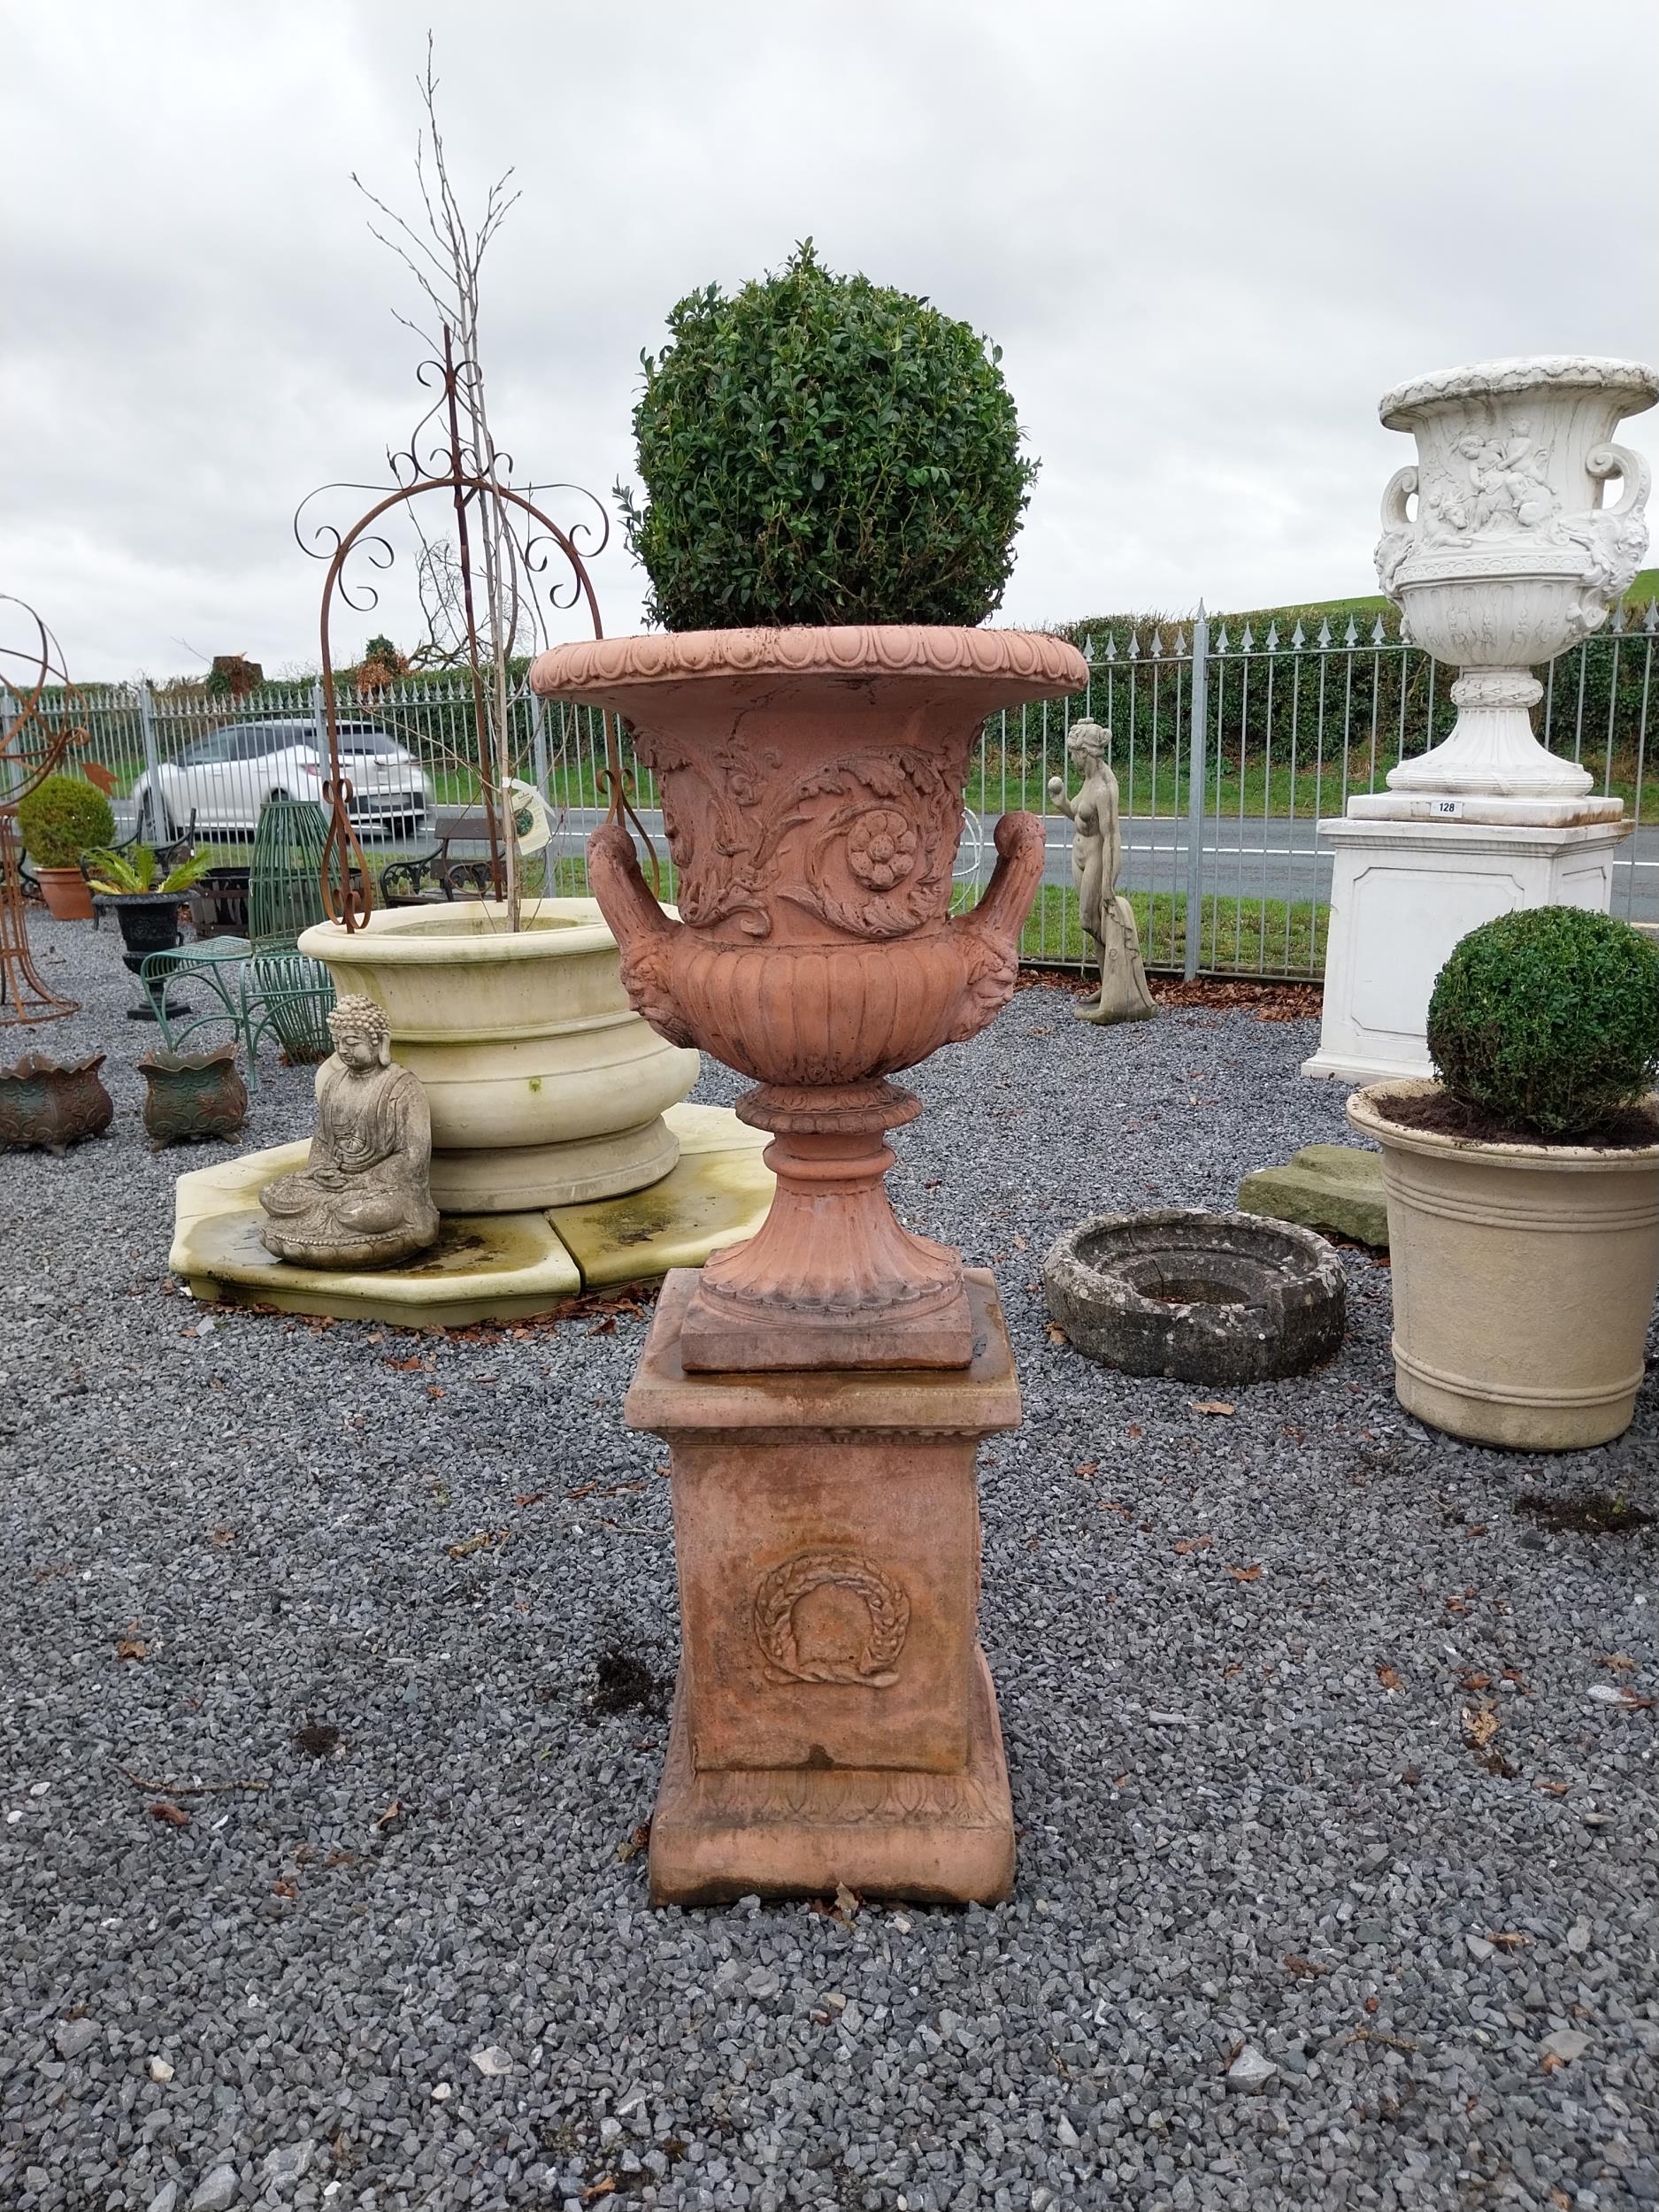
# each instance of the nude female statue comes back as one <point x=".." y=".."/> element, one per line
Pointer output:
<point x="1096" y="855"/>
<point x="364" y="1199"/>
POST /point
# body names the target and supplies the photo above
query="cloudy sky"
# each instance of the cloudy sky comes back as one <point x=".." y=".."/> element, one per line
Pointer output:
<point x="1206" y="236"/>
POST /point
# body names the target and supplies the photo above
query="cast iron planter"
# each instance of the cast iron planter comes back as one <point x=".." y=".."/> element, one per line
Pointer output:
<point x="53" y="1104"/>
<point x="192" y="1094"/>
<point x="149" y="923"/>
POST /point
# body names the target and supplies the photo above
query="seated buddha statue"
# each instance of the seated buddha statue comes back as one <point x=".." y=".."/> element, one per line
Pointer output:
<point x="364" y="1199"/>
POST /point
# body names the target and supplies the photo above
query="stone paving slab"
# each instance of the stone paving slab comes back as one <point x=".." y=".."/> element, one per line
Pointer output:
<point x="486" y="1267"/>
<point x="1334" y="1187"/>
<point x="718" y="1194"/>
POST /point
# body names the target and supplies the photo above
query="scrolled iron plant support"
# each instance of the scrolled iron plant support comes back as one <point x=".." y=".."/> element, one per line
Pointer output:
<point x="472" y="480"/>
<point x="30" y="750"/>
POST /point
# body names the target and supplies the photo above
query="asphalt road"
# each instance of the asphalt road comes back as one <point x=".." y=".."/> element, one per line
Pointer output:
<point x="1276" y="858"/>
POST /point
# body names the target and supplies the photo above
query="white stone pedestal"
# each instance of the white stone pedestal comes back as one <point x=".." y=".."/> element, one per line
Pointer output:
<point x="1404" y="891"/>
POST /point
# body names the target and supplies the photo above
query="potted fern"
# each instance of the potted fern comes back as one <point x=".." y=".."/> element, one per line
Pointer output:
<point x="1522" y="1186"/>
<point x="147" y="911"/>
<point x="63" y="818"/>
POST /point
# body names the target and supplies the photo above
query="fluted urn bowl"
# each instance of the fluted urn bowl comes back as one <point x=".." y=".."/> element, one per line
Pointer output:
<point x="1510" y="555"/>
<point x="811" y="784"/>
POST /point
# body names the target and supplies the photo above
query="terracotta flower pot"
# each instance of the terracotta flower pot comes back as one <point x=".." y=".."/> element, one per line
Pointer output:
<point x="811" y="784"/>
<point x="65" y="893"/>
<point x="192" y="1094"/>
<point x="1524" y="1278"/>
<point x="53" y="1104"/>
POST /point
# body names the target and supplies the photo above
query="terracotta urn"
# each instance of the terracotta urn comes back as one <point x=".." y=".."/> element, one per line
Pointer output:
<point x="811" y="786"/>
<point x="1509" y="557"/>
<point x="192" y="1094"/>
<point x="52" y="1103"/>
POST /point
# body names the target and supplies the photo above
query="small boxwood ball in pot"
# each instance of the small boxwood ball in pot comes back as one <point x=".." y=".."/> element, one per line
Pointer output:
<point x="63" y="818"/>
<point x="1548" y="1019"/>
<point x="819" y="449"/>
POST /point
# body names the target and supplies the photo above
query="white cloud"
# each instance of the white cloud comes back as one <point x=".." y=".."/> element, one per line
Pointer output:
<point x="1206" y="236"/>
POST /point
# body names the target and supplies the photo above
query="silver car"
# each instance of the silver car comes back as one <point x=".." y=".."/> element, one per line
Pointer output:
<point x="224" y="779"/>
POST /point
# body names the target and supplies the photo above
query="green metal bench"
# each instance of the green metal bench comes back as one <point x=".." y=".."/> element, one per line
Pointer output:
<point x="263" y="984"/>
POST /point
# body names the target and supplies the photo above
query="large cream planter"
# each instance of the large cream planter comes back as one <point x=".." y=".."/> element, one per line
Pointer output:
<point x="546" y="1088"/>
<point x="1524" y="1280"/>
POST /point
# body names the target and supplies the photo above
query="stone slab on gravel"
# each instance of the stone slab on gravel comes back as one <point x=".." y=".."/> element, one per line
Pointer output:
<point x="450" y="1552"/>
<point x="1336" y="1188"/>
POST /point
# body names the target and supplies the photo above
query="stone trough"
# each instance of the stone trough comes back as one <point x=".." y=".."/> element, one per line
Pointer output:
<point x="1201" y="1297"/>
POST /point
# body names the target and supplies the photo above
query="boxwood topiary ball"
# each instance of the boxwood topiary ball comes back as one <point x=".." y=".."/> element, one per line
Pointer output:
<point x="63" y="818"/>
<point x="817" y="449"/>
<point x="1548" y="1019"/>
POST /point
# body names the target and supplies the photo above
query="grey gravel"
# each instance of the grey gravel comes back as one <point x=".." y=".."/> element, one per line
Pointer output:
<point x="218" y="2191"/>
<point x="269" y="1510"/>
<point x="1250" y="2072"/>
<point x="1566" y="2044"/>
<point x="74" y="2037"/>
<point x="288" y="2164"/>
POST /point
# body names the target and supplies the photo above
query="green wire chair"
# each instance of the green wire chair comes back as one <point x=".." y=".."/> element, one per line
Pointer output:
<point x="263" y="984"/>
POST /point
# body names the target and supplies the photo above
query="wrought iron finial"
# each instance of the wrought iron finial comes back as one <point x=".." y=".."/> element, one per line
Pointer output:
<point x="31" y="747"/>
<point x="442" y="456"/>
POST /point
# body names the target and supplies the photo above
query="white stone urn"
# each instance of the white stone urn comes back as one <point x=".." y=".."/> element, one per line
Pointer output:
<point x="1509" y="558"/>
<point x="545" y="1088"/>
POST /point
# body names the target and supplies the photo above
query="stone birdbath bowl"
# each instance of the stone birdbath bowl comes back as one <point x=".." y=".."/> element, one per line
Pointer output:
<point x="1201" y="1297"/>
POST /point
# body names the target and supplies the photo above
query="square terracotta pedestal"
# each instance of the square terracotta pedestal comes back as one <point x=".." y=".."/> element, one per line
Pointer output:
<point x="833" y="1718"/>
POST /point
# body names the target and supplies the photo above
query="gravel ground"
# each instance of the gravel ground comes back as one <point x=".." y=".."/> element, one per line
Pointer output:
<point x="413" y="1968"/>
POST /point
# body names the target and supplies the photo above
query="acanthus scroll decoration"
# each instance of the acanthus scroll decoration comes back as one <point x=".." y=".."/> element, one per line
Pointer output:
<point x="875" y="866"/>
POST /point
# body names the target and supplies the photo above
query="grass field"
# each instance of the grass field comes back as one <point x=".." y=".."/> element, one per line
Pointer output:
<point x="1311" y="789"/>
<point x="1238" y="936"/>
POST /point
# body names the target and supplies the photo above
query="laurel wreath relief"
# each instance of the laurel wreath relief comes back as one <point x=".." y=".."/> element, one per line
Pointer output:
<point x="888" y="1607"/>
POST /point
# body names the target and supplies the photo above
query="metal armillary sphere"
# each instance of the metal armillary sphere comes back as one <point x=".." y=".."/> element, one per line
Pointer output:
<point x="476" y="484"/>
<point x="30" y="748"/>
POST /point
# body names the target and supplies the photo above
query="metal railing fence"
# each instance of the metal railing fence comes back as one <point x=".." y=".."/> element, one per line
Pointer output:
<point x="1230" y="739"/>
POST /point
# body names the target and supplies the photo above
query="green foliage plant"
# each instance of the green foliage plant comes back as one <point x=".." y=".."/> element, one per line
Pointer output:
<point x="118" y="876"/>
<point x="819" y="449"/>
<point x="1548" y="1019"/>
<point x="63" y="818"/>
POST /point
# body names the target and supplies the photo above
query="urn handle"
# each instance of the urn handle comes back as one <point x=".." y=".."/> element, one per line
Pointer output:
<point x="1399" y="530"/>
<point x="991" y="929"/>
<point x="1401" y="485"/>
<point x="1631" y="470"/>
<point x="644" y="934"/>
